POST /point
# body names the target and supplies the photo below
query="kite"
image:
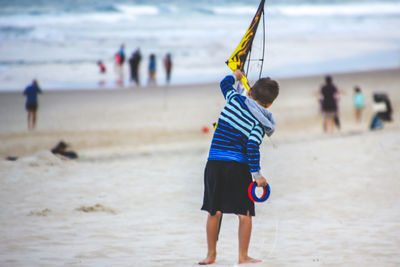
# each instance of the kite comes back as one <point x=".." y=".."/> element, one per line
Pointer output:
<point x="239" y="57"/>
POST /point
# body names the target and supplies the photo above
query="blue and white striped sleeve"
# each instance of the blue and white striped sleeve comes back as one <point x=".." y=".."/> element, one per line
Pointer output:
<point x="253" y="148"/>
<point x="227" y="87"/>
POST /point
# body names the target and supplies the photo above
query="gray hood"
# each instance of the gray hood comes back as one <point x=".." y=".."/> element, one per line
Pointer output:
<point x="262" y="115"/>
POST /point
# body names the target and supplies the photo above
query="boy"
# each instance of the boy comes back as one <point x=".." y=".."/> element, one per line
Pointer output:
<point x="234" y="158"/>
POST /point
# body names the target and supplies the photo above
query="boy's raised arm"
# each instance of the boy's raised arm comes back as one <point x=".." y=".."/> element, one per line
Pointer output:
<point x="227" y="85"/>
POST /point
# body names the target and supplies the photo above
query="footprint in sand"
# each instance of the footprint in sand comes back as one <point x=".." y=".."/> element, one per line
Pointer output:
<point x="43" y="213"/>
<point x="96" y="208"/>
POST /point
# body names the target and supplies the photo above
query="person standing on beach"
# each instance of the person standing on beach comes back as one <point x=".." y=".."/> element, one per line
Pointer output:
<point x="122" y="54"/>
<point x="134" y="63"/>
<point x="359" y="102"/>
<point x="119" y="62"/>
<point x="168" y="67"/>
<point x="152" y="70"/>
<point x="234" y="159"/>
<point x="329" y="103"/>
<point x="31" y="104"/>
<point x="131" y="67"/>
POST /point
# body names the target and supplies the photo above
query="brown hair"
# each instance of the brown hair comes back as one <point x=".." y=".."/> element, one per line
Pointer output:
<point x="265" y="90"/>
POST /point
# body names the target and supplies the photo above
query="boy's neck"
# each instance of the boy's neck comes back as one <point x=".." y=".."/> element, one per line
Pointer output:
<point x="261" y="104"/>
<point x="258" y="102"/>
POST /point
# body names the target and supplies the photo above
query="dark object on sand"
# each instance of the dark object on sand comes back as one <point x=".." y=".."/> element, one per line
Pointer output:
<point x="11" y="158"/>
<point x="384" y="115"/>
<point x="60" y="149"/>
<point x="376" y="123"/>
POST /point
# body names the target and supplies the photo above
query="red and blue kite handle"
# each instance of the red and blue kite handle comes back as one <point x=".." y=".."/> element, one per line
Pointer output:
<point x="252" y="192"/>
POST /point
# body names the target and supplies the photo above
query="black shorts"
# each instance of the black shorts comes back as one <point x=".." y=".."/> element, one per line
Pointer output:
<point x="31" y="106"/>
<point x="225" y="188"/>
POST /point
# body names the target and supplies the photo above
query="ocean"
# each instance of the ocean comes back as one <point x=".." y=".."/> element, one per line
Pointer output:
<point x="59" y="42"/>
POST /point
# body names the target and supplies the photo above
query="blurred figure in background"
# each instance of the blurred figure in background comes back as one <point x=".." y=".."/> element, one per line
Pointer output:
<point x="102" y="67"/>
<point x="168" y="67"/>
<point x="122" y="55"/>
<point x="152" y="70"/>
<point x="103" y="70"/>
<point x="329" y="104"/>
<point x="31" y="105"/>
<point x="134" y="63"/>
<point x="383" y="110"/>
<point x="359" y="102"/>
<point x="119" y="63"/>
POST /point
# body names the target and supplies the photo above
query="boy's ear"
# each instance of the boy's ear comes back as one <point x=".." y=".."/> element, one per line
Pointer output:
<point x="249" y="92"/>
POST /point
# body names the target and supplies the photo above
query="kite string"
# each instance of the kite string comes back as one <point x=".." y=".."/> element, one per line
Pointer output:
<point x="248" y="63"/>
<point x="275" y="238"/>
<point x="263" y="51"/>
<point x="273" y="144"/>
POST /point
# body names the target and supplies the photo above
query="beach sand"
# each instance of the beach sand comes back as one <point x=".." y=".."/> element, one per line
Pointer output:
<point x="133" y="197"/>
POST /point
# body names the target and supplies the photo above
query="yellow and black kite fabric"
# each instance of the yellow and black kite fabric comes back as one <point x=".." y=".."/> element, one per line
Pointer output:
<point x="239" y="56"/>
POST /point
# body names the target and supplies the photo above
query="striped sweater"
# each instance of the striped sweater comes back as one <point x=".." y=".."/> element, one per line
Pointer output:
<point x="239" y="133"/>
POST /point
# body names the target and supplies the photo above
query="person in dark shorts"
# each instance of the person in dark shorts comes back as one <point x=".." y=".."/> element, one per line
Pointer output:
<point x="329" y="104"/>
<point x="134" y="63"/>
<point x="119" y="64"/>
<point x="168" y="67"/>
<point x="234" y="159"/>
<point x="152" y="70"/>
<point x="31" y="104"/>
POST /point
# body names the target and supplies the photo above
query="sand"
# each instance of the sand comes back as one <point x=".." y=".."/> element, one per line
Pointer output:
<point x="133" y="197"/>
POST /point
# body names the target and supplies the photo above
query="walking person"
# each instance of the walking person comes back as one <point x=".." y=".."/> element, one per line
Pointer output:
<point x="32" y="104"/>
<point x="119" y="63"/>
<point x="359" y="102"/>
<point x="134" y="63"/>
<point x="329" y="104"/>
<point x="152" y="70"/>
<point x="168" y="67"/>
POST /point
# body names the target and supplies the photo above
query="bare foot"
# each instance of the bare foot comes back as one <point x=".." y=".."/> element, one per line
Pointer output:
<point x="207" y="260"/>
<point x="248" y="260"/>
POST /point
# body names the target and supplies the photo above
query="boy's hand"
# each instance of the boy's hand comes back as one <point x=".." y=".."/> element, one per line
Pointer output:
<point x="261" y="182"/>
<point x="238" y="75"/>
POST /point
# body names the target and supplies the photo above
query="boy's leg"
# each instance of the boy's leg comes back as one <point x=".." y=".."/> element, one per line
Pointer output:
<point x="332" y="125"/>
<point x="33" y="119"/>
<point x="245" y="225"/>
<point x="325" y="124"/>
<point x="30" y="114"/>
<point x="358" y="115"/>
<point x="212" y="229"/>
